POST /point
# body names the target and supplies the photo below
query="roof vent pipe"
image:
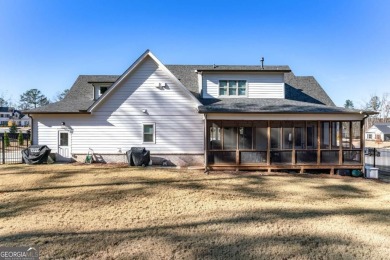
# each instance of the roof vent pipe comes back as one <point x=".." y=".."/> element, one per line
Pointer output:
<point x="262" y="63"/>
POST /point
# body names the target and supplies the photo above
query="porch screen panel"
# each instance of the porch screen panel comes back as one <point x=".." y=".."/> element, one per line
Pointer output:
<point x="261" y="138"/>
<point x="299" y="135"/>
<point x="311" y="135"/>
<point x="245" y="137"/>
<point x="325" y="135"/>
<point x="304" y="156"/>
<point x="230" y="138"/>
<point x="276" y="142"/>
<point x="356" y="138"/>
<point x="287" y="137"/>
<point x="329" y="157"/>
<point x="215" y="137"/>
<point x="335" y="132"/>
<point x="253" y="157"/>
<point x="346" y="134"/>
<point x="222" y="157"/>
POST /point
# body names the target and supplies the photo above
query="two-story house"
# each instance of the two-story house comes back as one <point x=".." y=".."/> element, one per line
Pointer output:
<point x="5" y="115"/>
<point x="222" y="117"/>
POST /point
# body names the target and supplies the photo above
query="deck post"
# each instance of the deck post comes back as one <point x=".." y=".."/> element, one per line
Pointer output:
<point x="318" y="142"/>
<point x="268" y="143"/>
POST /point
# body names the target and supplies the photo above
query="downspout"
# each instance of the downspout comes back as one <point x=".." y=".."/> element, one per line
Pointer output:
<point x="363" y="138"/>
<point x="31" y="131"/>
<point x="205" y="144"/>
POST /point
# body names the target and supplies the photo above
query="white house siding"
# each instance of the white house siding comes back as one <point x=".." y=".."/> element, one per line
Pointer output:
<point x="259" y="85"/>
<point x="117" y="122"/>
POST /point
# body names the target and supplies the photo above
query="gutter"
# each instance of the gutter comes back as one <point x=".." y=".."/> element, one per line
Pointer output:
<point x="32" y="127"/>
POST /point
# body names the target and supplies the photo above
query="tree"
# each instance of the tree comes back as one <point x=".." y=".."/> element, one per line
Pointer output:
<point x="20" y="138"/>
<point x="13" y="128"/>
<point x="374" y="103"/>
<point x="6" y="140"/>
<point x="380" y="105"/>
<point x="3" y="102"/>
<point x="32" y="98"/>
<point x="349" y="104"/>
<point x="60" y="96"/>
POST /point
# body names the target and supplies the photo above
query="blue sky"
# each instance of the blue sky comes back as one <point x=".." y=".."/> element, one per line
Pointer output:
<point x="46" y="44"/>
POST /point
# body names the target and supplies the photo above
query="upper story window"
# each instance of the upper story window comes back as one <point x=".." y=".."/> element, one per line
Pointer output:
<point x="232" y="88"/>
<point x="102" y="90"/>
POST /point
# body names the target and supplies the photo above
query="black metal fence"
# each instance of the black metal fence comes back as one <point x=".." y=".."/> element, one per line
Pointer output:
<point x="11" y="147"/>
<point x="378" y="158"/>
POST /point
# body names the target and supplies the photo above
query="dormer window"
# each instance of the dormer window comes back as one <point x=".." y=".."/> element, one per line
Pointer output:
<point x="100" y="89"/>
<point x="232" y="88"/>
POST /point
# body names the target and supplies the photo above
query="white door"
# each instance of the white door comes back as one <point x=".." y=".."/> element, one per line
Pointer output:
<point x="64" y="146"/>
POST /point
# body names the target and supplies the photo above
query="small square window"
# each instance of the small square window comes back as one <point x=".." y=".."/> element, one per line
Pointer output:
<point x="148" y="133"/>
<point x="102" y="90"/>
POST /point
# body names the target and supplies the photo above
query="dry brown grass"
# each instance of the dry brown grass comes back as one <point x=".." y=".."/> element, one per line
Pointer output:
<point x="113" y="212"/>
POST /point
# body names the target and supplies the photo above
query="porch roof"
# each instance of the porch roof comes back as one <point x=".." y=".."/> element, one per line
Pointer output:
<point x="261" y="105"/>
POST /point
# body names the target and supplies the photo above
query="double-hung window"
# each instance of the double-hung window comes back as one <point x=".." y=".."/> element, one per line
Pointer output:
<point x="148" y="133"/>
<point x="232" y="88"/>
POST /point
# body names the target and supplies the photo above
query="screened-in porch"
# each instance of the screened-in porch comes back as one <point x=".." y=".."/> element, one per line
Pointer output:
<point x="284" y="144"/>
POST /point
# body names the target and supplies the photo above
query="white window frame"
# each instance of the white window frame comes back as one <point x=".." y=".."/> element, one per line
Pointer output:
<point x="236" y="95"/>
<point x="154" y="133"/>
<point x="97" y="89"/>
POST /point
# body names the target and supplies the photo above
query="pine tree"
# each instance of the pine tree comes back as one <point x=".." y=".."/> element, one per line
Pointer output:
<point x="13" y="129"/>
<point x="6" y="140"/>
<point x="20" y="138"/>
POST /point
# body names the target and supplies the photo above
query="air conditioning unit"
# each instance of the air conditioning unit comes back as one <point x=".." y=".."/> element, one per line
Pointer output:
<point x="371" y="172"/>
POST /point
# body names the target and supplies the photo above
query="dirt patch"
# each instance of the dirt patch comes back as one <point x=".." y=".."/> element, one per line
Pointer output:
<point x="104" y="211"/>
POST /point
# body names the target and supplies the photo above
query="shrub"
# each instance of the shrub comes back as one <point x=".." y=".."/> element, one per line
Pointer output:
<point x="6" y="140"/>
<point x="13" y="129"/>
<point x="20" y="138"/>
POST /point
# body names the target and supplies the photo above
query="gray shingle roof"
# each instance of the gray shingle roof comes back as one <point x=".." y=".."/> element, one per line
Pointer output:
<point x="305" y="89"/>
<point x="80" y="96"/>
<point x="261" y="105"/>
<point x="303" y="94"/>
<point x="5" y="109"/>
<point x="383" y="127"/>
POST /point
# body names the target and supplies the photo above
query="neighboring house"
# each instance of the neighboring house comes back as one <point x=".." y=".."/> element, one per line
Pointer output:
<point x="20" y="119"/>
<point x="9" y="115"/>
<point x="236" y="117"/>
<point x="5" y="115"/>
<point x="379" y="131"/>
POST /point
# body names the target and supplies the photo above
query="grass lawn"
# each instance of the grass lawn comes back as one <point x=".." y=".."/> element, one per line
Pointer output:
<point x="116" y="212"/>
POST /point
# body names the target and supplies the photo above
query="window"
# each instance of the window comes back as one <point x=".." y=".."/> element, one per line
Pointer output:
<point x="148" y="133"/>
<point x="64" y="139"/>
<point x="233" y="88"/>
<point x="370" y="136"/>
<point x="102" y="90"/>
